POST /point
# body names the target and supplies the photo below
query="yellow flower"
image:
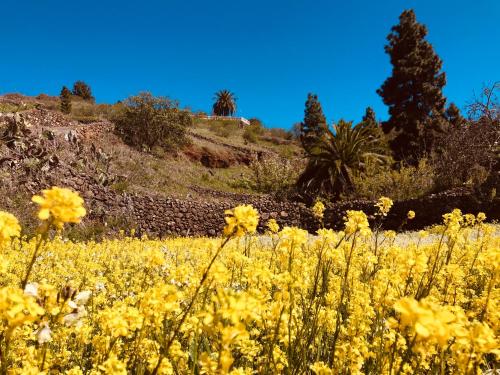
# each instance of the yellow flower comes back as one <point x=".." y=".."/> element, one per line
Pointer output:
<point x="17" y="308"/>
<point x="481" y="217"/>
<point x="113" y="366"/>
<point x="469" y="219"/>
<point x="390" y="234"/>
<point x="411" y="215"/>
<point x="356" y="221"/>
<point x="293" y="236"/>
<point x="430" y="321"/>
<point x="273" y="226"/>
<point x="9" y="227"/>
<point x="384" y="205"/>
<point x="318" y="210"/>
<point x="61" y="205"/>
<point x="320" y="368"/>
<point x="240" y="220"/>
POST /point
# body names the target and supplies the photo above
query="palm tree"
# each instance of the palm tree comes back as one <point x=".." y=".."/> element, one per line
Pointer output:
<point x="225" y="103"/>
<point x="338" y="155"/>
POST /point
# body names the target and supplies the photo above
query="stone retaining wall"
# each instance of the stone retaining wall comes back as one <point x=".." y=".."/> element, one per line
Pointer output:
<point x="160" y="217"/>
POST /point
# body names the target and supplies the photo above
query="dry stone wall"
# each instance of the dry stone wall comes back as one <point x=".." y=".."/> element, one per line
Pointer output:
<point x="161" y="217"/>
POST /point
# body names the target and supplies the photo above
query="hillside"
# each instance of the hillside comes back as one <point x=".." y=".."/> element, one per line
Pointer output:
<point x="41" y="147"/>
<point x="217" y="158"/>
<point x="164" y="193"/>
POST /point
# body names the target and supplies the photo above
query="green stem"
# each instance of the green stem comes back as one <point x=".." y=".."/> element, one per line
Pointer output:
<point x="33" y="259"/>
<point x="190" y="306"/>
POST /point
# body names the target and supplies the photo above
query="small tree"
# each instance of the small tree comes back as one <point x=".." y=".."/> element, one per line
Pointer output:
<point x="454" y="116"/>
<point x="339" y="155"/>
<point x="82" y="90"/>
<point x="65" y="98"/>
<point x="369" y="118"/>
<point x="147" y="121"/>
<point x="225" y="103"/>
<point x="296" y="130"/>
<point x="314" y="125"/>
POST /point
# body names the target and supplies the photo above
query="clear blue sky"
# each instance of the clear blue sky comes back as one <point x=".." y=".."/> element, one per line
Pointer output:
<point x="270" y="53"/>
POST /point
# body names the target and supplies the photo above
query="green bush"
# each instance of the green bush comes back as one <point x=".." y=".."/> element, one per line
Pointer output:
<point x="83" y="90"/>
<point x="253" y="132"/>
<point x="281" y="133"/>
<point x="274" y="174"/>
<point x="407" y="182"/>
<point x="147" y="121"/>
<point x="223" y="128"/>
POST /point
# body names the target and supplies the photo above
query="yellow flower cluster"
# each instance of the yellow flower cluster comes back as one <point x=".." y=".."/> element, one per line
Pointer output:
<point x="384" y="205"/>
<point x="273" y="226"/>
<point x="318" y="210"/>
<point x="9" y="227"/>
<point x="338" y="302"/>
<point x="16" y="309"/>
<point x="60" y="205"/>
<point x="240" y="220"/>
<point x="356" y="221"/>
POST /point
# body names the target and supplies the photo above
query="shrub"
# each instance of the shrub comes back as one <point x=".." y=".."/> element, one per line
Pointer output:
<point x="147" y="121"/>
<point x="82" y="90"/>
<point x="407" y="182"/>
<point x="273" y="174"/>
<point x="253" y="131"/>
<point x="223" y="128"/>
<point x="467" y="154"/>
<point x="281" y="133"/>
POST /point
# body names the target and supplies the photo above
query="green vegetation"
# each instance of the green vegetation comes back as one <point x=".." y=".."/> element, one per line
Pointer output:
<point x="413" y="92"/>
<point x="65" y="98"/>
<point x="10" y="107"/>
<point x="225" y="103"/>
<point x="274" y="174"/>
<point x="406" y="182"/>
<point x="314" y="125"/>
<point x="339" y="155"/>
<point x="423" y="147"/>
<point x="147" y="121"/>
<point x="223" y="128"/>
<point x="254" y="131"/>
<point x="83" y="90"/>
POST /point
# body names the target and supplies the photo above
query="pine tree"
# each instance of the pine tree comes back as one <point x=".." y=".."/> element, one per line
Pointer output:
<point x="65" y="98"/>
<point x="369" y="120"/>
<point x="414" y="91"/>
<point x="454" y="116"/>
<point x="314" y="125"/>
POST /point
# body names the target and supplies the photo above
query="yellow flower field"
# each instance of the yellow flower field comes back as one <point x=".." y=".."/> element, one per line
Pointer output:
<point x="346" y="302"/>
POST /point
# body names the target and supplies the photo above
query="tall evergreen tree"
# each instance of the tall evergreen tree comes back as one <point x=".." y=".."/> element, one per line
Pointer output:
<point x="314" y="125"/>
<point x="454" y="116"/>
<point x="414" y="90"/>
<point x="65" y="98"/>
